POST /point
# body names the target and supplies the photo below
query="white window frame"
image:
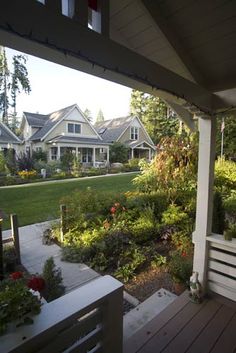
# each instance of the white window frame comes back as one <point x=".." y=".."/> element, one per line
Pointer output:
<point x="134" y="133"/>
<point x="74" y="132"/>
<point x="54" y="155"/>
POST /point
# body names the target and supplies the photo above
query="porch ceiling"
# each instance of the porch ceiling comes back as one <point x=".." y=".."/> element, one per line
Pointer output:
<point x="182" y="51"/>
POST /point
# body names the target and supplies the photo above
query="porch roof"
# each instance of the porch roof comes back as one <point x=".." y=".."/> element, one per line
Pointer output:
<point x="7" y="136"/>
<point x="78" y="140"/>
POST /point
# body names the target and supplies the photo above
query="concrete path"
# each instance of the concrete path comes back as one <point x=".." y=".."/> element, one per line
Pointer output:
<point x="63" y="180"/>
<point x="34" y="254"/>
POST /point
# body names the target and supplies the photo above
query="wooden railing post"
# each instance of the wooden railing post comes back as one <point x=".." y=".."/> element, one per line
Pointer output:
<point x="1" y="252"/>
<point x="78" y="10"/>
<point x="15" y="236"/>
<point x="63" y="221"/>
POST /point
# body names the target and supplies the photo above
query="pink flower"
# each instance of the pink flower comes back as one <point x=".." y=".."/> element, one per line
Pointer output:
<point x="113" y="210"/>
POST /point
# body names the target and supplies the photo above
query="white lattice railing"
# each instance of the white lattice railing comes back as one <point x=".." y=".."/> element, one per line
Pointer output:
<point x="222" y="266"/>
<point x="89" y="319"/>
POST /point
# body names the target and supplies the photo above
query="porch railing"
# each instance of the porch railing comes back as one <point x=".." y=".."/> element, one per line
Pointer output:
<point x="89" y="319"/>
<point x="222" y="266"/>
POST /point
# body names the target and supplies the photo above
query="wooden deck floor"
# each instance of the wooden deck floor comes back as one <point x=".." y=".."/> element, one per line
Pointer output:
<point x="187" y="327"/>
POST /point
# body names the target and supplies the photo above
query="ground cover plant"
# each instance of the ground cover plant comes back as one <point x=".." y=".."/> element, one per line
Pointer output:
<point x="38" y="203"/>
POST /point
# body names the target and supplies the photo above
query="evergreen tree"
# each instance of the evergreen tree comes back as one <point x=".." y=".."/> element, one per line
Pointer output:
<point x="4" y="86"/>
<point x="100" y="116"/>
<point x="158" y="119"/>
<point x="88" y="115"/>
<point x="11" y="84"/>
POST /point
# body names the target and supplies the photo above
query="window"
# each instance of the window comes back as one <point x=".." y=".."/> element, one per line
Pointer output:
<point x="74" y="128"/>
<point x="38" y="149"/>
<point x="53" y="153"/>
<point x="134" y="133"/>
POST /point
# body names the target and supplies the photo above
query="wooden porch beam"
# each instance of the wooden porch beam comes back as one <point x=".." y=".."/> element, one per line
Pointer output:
<point x="183" y="115"/>
<point x="26" y="25"/>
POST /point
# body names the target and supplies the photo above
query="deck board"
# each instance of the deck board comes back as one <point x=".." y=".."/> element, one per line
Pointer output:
<point x="185" y="327"/>
<point x="193" y="328"/>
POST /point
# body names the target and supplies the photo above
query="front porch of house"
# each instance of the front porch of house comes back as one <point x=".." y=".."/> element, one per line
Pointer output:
<point x="141" y="150"/>
<point x="86" y="155"/>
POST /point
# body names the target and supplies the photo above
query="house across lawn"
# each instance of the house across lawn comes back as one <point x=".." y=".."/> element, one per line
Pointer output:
<point x="69" y="130"/>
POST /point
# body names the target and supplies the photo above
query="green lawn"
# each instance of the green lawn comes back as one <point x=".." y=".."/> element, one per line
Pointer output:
<point x="38" y="203"/>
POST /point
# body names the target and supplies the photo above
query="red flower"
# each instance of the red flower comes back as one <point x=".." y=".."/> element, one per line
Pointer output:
<point x="113" y="210"/>
<point x="36" y="283"/>
<point x="16" y="275"/>
<point x="184" y="254"/>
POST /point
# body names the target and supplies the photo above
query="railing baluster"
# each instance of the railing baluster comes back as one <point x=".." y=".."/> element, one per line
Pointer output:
<point x="78" y="10"/>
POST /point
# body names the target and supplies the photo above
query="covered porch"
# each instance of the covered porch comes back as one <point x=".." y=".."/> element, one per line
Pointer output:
<point x="85" y="154"/>
<point x="141" y="150"/>
<point x="193" y="69"/>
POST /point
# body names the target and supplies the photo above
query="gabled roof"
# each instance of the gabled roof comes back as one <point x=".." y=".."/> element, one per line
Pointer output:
<point x="7" y="136"/>
<point x="35" y="120"/>
<point x="111" y="130"/>
<point x="50" y="121"/>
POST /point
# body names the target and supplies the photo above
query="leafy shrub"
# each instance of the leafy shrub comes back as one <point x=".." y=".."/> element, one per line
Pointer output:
<point x="182" y="242"/>
<point x="118" y="153"/>
<point x="158" y="261"/>
<point x="25" y="162"/>
<point x="10" y="159"/>
<point x="180" y="267"/>
<point x="3" y="167"/>
<point x="53" y="281"/>
<point x="225" y="176"/>
<point x="39" y="156"/>
<point x="230" y="207"/>
<point x="218" y="219"/>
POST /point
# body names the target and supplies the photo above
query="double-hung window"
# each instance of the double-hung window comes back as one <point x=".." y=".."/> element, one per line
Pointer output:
<point x="74" y="128"/>
<point x="134" y="133"/>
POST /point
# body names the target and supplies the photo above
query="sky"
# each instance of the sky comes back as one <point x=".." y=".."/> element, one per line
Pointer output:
<point x="54" y="87"/>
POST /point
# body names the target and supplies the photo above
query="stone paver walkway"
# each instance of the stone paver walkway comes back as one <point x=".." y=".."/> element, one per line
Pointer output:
<point x="34" y="254"/>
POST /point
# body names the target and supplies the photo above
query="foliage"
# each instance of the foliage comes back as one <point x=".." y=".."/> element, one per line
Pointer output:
<point x="67" y="160"/>
<point x="225" y="176"/>
<point x="3" y="167"/>
<point x="88" y="115"/>
<point x="25" y="162"/>
<point x="158" y="261"/>
<point x="27" y="174"/>
<point x="11" y="161"/>
<point x="53" y="280"/>
<point x="180" y="266"/>
<point x="39" y="155"/>
<point x="11" y="84"/>
<point x="17" y="302"/>
<point x="118" y="153"/>
<point x="100" y="116"/>
<point x="229" y="147"/>
<point x="156" y="116"/>
<point x="173" y="170"/>
<point x="230" y="207"/>
<point x="218" y="219"/>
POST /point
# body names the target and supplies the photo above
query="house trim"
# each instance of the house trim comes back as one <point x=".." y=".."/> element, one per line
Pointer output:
<point x="11" y="133"/>
<point x="145" y="132"/>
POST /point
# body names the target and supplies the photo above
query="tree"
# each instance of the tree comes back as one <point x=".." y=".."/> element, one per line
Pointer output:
<point x="88" y="115"/>
<point x="118" y="153"/>
<point x="100" y="116"/>
<point x="158" y="119"/>
<point x="19" y="82"/>
<point x="11" y="84"/>
<point x="4" y="85"/>
<point x="229" y="145"/>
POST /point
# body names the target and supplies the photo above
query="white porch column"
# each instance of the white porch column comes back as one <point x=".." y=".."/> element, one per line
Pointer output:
<point x="108" y="155"/>
<point x="149" y="154"/>
<point x="132" y="153"/>
<point x="94" y="156"/>
<point x="206" y="161"/>
<point x="58" y="152"/>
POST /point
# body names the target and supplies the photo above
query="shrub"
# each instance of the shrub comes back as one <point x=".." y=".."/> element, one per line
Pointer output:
<point x="218" y="219"/>
<point x="180" y="267"/>
<point x="10" y="160"/>
<point x="158" y="261"/>
<point x="3" y="167"/>
<point x="118" y="153"/>
<point x="25" y="162"/>
<point x="230" y="207"/>
<point x="53" y="281"/>
<point x="225" y="176"/>
<point x="39" y="156"/>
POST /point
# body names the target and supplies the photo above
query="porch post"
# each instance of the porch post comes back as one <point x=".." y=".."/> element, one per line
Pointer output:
<point x="94" y="156"/>
<point x="149" y="154"/>
<point x="132" y="153"/>
<point x="108" y="155"/>
<point x="206" y="161"/>
<point x="58" y="152"/>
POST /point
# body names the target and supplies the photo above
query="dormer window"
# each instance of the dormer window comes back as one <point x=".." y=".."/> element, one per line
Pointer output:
<point x="134" y="133"/>
<point x="74" y="128"/>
